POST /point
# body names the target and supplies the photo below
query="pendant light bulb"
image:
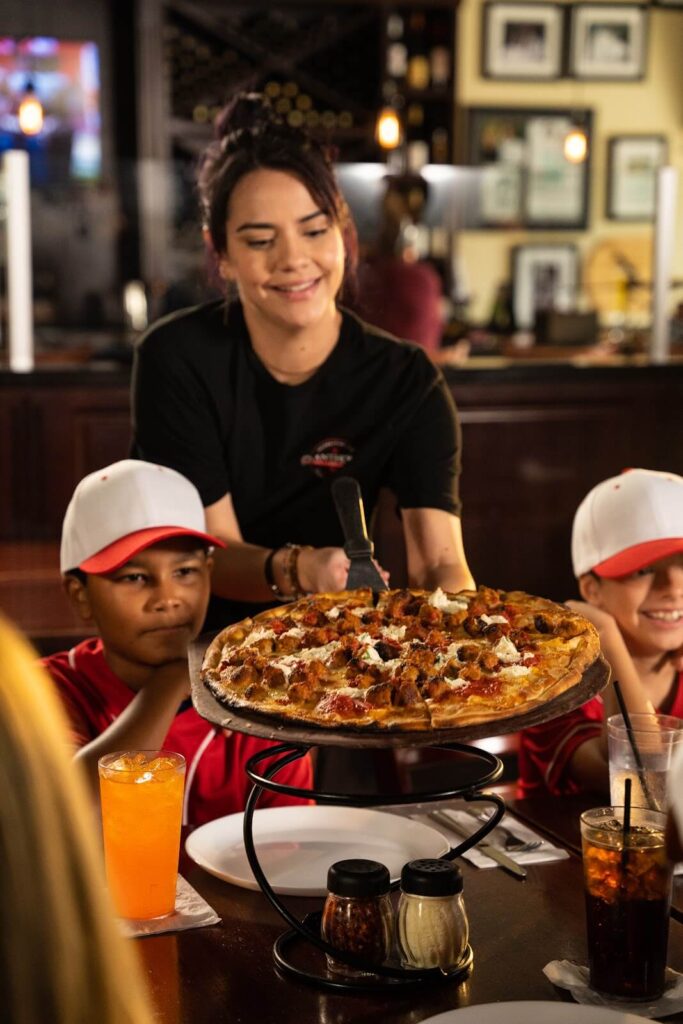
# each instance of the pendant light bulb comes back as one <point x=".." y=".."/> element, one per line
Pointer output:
<point x="30" y="113"/>
<point x="388" y="129"/>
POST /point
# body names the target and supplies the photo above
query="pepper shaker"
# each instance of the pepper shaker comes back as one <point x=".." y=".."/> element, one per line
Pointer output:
<point x="432" y="925"/>
<point x="358" y="916"/>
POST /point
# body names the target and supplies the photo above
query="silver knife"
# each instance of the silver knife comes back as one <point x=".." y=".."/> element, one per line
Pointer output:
<point x="507" y="863"/>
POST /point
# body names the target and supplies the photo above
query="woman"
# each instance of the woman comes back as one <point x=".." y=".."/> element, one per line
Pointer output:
<point x="260" y="402"/>
<point x="61" y="957"/>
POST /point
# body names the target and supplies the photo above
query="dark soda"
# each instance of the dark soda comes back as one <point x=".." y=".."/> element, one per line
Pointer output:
<point x="627" y="943"/>
<point x="628" y="893"/>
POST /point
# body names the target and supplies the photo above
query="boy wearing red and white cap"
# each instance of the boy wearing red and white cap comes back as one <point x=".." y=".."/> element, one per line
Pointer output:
<point x="627" y="552"/>
<point x="136" y="563"/>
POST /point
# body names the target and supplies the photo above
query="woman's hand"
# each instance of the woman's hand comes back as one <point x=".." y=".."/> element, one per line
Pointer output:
<point x="326" y="570"/>
<point x="323" y="569"/>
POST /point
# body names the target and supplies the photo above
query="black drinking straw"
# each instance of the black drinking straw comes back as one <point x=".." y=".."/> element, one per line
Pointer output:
<point x="634" y="747"/>
<point x="625" y="829"/>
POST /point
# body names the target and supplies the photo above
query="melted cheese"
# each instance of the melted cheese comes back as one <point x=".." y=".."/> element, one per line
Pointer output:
<point x="312" y="654"/>
<point x="393" y="632"/>
<point x="506" y="651"/>
<point x="491" y="620"/>
<point x="515" y="671"/>
<point x="439" y="599"/>
<point x="259" y="634"/>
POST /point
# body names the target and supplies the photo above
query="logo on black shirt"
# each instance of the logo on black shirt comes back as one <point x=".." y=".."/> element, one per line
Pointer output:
<point x="329" y="456"/>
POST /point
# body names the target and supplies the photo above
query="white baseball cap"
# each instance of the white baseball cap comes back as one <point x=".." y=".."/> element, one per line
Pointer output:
<point x="628" y="522"/>
<point x="122" y="509"/>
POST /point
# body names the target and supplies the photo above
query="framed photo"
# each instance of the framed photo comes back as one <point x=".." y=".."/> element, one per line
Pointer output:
<point x="544" y="277"/>
<point x="525" y="180"/>
<point x="632" y="165"/>
<point x="522" y="41"/>
<point x="608" y="41"/>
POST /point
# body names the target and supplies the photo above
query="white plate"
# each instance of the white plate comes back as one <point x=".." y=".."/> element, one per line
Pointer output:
<point x="296" y="845"/>
<point x="531" y="1012"/>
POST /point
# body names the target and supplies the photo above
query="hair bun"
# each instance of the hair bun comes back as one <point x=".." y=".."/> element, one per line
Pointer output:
<point x="248" y="111"/>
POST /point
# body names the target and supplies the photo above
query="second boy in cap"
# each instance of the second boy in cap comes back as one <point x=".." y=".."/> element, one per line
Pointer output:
<point x="627" y="551"/>
<point x="136" y="563"/>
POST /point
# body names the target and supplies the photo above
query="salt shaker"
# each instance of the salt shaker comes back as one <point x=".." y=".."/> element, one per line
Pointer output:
<point x="358" y="916"/>
<point x="432" y="925"/>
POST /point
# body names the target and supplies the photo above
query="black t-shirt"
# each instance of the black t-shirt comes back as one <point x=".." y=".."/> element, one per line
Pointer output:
<point x="377" y="409"/>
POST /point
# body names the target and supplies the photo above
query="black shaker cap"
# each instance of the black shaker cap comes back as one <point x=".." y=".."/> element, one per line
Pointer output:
<point x="358" y="878"/>
<point x="431" y="878"/>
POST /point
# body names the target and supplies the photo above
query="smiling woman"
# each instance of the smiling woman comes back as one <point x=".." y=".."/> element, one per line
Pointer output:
<point x="261" y="400"/>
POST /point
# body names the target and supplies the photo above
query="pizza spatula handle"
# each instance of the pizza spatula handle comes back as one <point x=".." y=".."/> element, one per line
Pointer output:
<point x="349" y="504"/>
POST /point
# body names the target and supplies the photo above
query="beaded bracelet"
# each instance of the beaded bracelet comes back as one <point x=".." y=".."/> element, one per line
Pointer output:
<point x="291" y="568"/>
<point x="270" y="577"/>
<point x="290" y="571"/>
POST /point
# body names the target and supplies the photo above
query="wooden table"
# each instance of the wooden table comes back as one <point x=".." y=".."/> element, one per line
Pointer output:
<point x="226" y="972"/>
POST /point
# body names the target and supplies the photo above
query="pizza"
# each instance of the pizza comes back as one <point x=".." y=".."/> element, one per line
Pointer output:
<point x="401" y="659"/>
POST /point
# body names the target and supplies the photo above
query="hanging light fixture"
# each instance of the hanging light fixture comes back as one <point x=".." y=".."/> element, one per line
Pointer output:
<point x="30" y="113"/>
<point x="388" y="128"/>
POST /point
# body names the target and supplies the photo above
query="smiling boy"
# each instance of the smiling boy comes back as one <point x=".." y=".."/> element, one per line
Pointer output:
<point x="627" y="551"/>
<point x="136" y="564"/>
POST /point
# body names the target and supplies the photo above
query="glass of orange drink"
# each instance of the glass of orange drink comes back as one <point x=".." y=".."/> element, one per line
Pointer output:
<point x="142" y="804"/>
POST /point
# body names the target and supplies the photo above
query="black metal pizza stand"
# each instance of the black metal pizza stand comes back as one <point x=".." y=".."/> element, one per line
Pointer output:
<point x="299" y="740"/>
<point x="385" y="977"/>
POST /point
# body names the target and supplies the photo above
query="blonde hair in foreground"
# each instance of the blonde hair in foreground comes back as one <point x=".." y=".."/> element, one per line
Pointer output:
<point x="62" y="959"/>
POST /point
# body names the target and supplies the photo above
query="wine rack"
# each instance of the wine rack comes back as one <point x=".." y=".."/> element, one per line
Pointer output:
<point x="418" y="67"/>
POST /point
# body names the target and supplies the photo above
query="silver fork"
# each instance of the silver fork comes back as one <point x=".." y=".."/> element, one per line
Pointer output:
<point x="511" y="842"/>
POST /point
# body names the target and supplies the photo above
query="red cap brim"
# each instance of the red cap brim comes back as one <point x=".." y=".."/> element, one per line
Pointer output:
<point x="117" y="554"/>
<point x="637" y="557"/>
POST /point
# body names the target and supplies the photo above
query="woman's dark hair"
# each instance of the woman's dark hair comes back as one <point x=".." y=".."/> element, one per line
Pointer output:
<point x="251" y="136"/>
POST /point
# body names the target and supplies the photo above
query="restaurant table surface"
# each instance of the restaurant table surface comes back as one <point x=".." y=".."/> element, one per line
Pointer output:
<point x="226" y="972"/>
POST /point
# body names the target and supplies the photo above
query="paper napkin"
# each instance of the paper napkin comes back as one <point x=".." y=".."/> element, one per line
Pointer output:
<point x="191" y="911"/>
<point x="574" y="977"/>
<point x="464" y="822"/>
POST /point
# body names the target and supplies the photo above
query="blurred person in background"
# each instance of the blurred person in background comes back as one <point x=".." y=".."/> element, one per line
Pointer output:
<point x="62" y="959"/>
<point x="397" y="289"/>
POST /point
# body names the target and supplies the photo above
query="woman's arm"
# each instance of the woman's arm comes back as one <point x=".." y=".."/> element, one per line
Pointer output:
<point x="239" y="568"/>
<point x="434" y="549"/>
<point x="589" y="764"/>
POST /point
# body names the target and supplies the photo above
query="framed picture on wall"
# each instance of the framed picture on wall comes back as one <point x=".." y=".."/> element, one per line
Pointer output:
<point x="544" y="277"/>
<point x="608" y="41"/>
<point x="525" y="178"/>
<point x="632" y="165"/>
<point x="522" y="41"/>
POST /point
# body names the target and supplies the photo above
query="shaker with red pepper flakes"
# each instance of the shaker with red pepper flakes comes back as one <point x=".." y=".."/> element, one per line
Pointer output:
<point x="358" y="916"/>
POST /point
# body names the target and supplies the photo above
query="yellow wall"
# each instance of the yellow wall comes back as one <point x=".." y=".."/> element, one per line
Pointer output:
<point x="654" y="105"/>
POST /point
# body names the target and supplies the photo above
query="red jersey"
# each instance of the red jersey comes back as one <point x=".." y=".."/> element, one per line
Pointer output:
<point x="545" y="751"/>
<point x="216" y="783"/>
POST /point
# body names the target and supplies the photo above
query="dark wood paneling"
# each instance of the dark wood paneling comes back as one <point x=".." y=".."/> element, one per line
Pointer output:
<point x="533" y="448"/>
<point x="535" y="440"/>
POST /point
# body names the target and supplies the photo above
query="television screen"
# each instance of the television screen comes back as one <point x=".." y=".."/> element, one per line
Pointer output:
<point x="64" y="77"/>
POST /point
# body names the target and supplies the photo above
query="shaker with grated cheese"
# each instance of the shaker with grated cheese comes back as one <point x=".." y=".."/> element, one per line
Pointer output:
<point x="432" y="925"/>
